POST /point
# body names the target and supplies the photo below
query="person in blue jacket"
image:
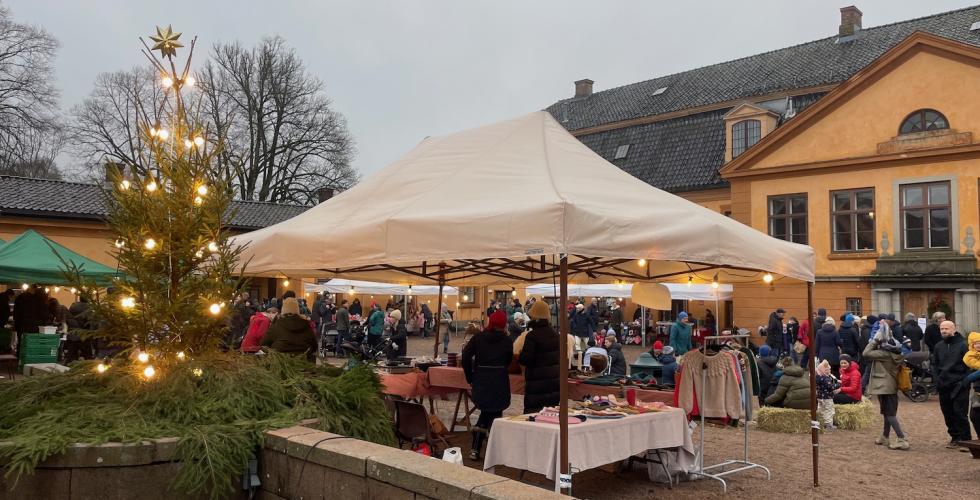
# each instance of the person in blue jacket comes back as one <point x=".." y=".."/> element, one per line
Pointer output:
<point x="680" y="335"/>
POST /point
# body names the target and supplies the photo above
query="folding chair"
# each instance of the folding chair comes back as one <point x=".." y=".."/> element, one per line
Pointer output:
<point x="412" y="422"/>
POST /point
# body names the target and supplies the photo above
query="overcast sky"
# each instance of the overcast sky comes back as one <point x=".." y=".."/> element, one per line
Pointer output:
<point x="403" y="70"/>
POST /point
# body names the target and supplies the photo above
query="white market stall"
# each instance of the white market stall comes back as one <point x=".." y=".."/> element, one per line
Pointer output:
<point x="338" y="285"/>
<point x="518" y="201"/>
<point x="678" y="291"/>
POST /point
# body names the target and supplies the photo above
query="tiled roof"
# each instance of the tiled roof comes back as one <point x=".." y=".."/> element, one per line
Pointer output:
<point x="686" y="153"/>
<point x="76" y="200"/>
<point x="810" y="64"/>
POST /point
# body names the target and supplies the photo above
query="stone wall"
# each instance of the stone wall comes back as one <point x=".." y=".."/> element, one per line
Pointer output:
<point x="299" y="462"/>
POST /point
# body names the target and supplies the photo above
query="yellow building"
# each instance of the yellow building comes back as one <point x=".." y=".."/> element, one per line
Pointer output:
<point x="862" y="144"/>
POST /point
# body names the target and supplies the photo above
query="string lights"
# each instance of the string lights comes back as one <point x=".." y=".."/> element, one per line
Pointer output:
<point x="143" y="357"/>
<point x="152" y="186"/>
<point x="215" y="309"/>
<point x="127" y="302"/>
<point x="642" y="262"/>
<point x="767" y="278"/>
<point x="690" y="281"/>
<point x="124" y="185"/>
<point x="149" y="372"/>
<point x="714" y="282"/>
<point x="101" y="368"/>
<point x="150" y="244"/>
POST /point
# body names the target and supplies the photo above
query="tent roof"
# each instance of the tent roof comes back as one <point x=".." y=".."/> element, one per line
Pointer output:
<point x="495" y="203"/>
<point x="678" y="291"/>
<point x="31" y="258"/>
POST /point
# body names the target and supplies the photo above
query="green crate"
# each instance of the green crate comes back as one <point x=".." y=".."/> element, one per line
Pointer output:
<point x="39" y="348"/>
<point x="41" y="340"/>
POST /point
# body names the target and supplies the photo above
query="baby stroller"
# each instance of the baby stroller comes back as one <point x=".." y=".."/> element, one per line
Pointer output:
<point x="922" y="383"/>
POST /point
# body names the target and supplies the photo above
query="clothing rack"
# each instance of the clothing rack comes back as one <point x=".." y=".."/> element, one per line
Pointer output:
<point x="744" y="464"/>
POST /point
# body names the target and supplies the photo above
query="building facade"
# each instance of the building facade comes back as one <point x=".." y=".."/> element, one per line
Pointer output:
<point x="860" y="145"/>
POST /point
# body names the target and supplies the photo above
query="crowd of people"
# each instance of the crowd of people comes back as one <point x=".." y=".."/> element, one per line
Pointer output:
<point x="35" y="308"/>
<point x="871" y="355"/>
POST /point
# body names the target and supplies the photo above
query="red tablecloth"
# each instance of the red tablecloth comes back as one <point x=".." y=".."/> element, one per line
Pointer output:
<point x="454" y="378"/>
<point x="411" y="385"/>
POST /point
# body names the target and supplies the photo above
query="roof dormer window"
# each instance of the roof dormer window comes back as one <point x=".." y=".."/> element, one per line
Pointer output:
<point x="744" y="135"/>
<point x="621" y="152"/>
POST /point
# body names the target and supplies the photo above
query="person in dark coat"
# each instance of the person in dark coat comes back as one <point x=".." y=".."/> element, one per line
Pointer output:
<point x="291" y="333"/>
<point x="913" y="332"/>
<point x="949" y="371"/>
<point x="932" y="336"/>
<point x="616" y="319"/>
<point x="355" y="308"/>
<point x="850" y="339"/>
<point x="819" y="320"/>
<point x="5" y="298"/>
<point x="828" y="344"/>
<point x="579" y="320"/>
<point x="30" y="312"/>
<point x="399" y="336"/>
<point x="766" y="363"/>
<point x="540" y="357"/>
<point x="617" y="362"/>
<point x="867" y="332"/>
<point x="486" y="358"/>
<point x="774" y="331"/>
<point x="896" y="327"/>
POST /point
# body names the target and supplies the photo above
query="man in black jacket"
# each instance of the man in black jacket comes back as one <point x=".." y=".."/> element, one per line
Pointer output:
<point x="949" y="370"/>
<point x="932" y="335"/>
<point x="774" y="331"/>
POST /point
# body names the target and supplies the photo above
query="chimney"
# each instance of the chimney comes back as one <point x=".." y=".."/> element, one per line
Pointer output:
<point x="324" y="194"/>
<point x="850" y="21"/>
<point x="583" y="88"/>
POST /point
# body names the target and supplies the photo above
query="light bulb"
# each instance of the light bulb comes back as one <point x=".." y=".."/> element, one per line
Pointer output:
<point x="74" y="290"/>
<point x="690" y="281"/>
<point x="202" y="190"/>
<point x="150" y="243"/>
<point x="213" y="247"/>
<point x="189" y="81"/>
<point x="101" y="367"/>
<point x="466" y="298"/>
<point x="167" y="82"/>
<point x="197" y="372"/>
<point x="120" y="243"/>
<point x="149" y="372"/>
<point x="198" y="141"/>
<point x="153" y="132"/>
<point x="513" y="293"/>
<point x="57" y="289"/>
<point x="188" y="144"/>
<point x="199" y="254"/>
<point x="152" y="186"/>
<point x="642" y="262"/>
<point x="143" y="357"/>
<point x="124" y="185"/>
<point x="223" y="304"/>
<point x="127" y="302"/>
<point x="351" y="291"/>
<point x="285" y="282"/>
<point x="198" y="200"/>
<point x="767" y="278"/>
<point x="163" y="134"/>
<point x="457" y="304"/>
<point x="215" y="308"/>
<point x="181" y="355"/>
<point x="714" y="282"/>
<point x="409" y="289"/>
<point x="47" y="290"/>
<point x="25" y="286"/>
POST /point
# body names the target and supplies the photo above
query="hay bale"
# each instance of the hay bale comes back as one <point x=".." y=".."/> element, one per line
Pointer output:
<point x="854" y="417"/>
<point x="789" y="421"/>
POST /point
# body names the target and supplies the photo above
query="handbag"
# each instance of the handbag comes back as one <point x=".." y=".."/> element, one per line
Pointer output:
<point x="799" y="347"/>
<point x="904" y="378"/>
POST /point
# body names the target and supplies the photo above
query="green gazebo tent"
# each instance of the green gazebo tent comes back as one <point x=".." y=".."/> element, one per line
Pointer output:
<point x="31" y="258"/>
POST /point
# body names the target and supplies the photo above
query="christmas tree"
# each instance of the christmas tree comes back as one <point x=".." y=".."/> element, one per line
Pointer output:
<point x="169" y="240"/>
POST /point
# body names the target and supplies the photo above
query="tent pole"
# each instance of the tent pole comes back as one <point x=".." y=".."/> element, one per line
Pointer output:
<point x="437" y="314"/>
<point x="814" y="433"/>
<point x="563" y="372"/>
<point x="643" y="326"/>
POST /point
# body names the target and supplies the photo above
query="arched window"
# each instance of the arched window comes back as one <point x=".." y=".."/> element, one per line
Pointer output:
<point x="923" y="120"/>
<point x="744" y="134"/>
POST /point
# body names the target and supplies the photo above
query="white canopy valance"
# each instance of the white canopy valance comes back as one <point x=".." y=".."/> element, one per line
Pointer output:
<point x="678" y="291"/>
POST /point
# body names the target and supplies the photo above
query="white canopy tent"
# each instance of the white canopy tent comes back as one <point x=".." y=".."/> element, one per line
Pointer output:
<point x="338" y="285"/>
<point x="678" y="291"/>
<point x="520" y="200"/>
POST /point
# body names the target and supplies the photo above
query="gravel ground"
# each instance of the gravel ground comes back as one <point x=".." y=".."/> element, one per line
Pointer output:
<point x="851" y="465"/>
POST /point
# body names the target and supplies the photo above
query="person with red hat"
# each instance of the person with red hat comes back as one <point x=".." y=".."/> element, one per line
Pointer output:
<point x="486" y="359"/>
<point x="657" y="349"/>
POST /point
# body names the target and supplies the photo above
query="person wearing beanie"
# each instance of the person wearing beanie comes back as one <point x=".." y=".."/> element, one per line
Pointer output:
<point x="821" y="317"/>
<point x="657" y="349"/>
<point x="291" y="333"/>
<point x="827" y="344"/>
<point x="680" y="335"/>
<point x="669" y="368"/>
<point x="766" y="363"/>
<point x="885" y="356"/>
<point x="486" y="359"/>
<point x="774" y="331"/>
<point x="850" y="382"/>
<point x="793" y="389"/>
<point x="827" y="385"/>
<point x="399" y="336"/>
<point x="537" y="351"/>
<point x="850" y="337"/>
<point x="580" y="323"/>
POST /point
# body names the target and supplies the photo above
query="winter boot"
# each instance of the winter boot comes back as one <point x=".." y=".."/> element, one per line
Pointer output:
<point x="881" y="440"/>
<point x="899" y="444"/>
<point x="479" y="434"/>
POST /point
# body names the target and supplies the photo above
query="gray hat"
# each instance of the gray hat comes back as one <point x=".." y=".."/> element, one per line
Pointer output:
<point x="668" y="350"/>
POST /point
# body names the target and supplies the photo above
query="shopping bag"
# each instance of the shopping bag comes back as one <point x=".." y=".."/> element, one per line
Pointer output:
<point x="453" y="455"/>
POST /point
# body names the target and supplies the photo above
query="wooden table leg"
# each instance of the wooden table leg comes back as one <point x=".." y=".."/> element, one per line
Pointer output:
<point x="459" y="399"/>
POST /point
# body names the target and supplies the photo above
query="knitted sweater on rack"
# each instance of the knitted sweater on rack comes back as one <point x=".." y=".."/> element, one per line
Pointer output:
<point x="721" y="396"/>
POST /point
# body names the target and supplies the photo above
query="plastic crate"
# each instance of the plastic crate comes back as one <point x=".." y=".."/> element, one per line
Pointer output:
<point x="39" y="348"/>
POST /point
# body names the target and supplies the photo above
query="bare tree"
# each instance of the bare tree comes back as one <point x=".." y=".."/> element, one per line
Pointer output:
<point x="282" y="140"/>
<point x="105" y="126"/>
<point x="35" y="154"/>
<point x="28" y="98"/>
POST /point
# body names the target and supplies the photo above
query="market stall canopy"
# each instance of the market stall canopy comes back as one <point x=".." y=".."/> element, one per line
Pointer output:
<point x="338" y="285"/>
<point x="495" y="204"/>
<point x="678" y="291"/>
<point x="31" y="258"/>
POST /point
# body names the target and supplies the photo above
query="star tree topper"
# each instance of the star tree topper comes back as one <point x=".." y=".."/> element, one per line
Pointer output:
<point x="166" y="41"/>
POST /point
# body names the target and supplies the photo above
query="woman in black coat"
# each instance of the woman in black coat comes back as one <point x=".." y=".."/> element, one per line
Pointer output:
<point x="486" y="359"/>
<point x="828" y="344"/>
<point x="540" y="357"/>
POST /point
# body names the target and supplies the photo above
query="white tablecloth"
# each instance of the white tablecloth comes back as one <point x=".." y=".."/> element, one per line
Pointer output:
<point x="534" y="446"/>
